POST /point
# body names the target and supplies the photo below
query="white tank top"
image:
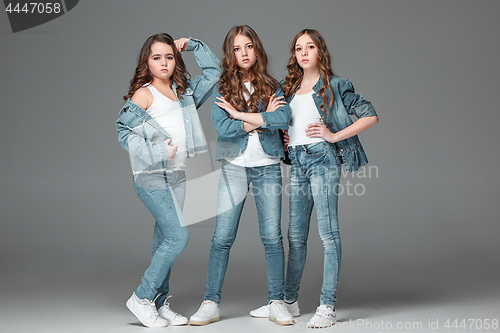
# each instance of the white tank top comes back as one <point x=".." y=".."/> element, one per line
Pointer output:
<point x="168" y="114"/>
<point x="304" y="112"/>
<point x="253" y="155"/>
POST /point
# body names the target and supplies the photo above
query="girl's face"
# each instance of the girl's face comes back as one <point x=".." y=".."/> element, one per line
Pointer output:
<point x="306" y="52"/>
<point x="161" y="61"/>
<point x="244" y="52"/>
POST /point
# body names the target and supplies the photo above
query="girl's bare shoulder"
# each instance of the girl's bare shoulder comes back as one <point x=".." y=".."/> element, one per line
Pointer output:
<point x="143" y="97"/>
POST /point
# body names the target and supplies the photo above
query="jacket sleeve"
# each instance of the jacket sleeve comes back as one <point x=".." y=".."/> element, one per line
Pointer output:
<point x="278" y="119"/>
<point x="203" y="84"/>
<point x="225" y="126"/>
<point x="354" y="103"/>
<point x="136" y="144"/>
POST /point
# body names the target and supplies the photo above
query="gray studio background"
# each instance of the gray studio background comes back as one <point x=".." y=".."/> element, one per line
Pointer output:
<point x="75" y="239"/>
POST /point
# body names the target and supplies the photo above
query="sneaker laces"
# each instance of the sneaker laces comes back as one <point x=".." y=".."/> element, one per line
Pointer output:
<point x="150" y="304"/>
<point x="206" y="305"/>
<point x="280" y="305"/>
<point x="166" y="306"/>
<point x="321" y="312"/>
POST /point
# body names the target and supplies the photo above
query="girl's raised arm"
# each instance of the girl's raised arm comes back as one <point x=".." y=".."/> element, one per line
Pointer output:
<point x="202" y="85"/>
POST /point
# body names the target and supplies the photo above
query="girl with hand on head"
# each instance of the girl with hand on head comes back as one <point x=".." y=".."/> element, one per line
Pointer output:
<point x="321" y="137"/>
<point x="160" y="128"/>
<point x="247" y="111"/>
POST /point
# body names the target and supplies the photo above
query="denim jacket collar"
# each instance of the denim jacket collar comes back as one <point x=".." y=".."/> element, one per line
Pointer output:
<point x="318" y="100"/>
<point x="317" y="86"/>
<point x="181" y="99"/>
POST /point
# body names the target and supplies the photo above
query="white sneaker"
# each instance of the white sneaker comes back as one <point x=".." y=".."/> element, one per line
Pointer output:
<point x="145" y="311"/>
<point x="206" y="314"/>
<point x="263" y="311"/>
<point x="324" y="317"/>
<point x="173" y="318"/>
<point x="279" y="313"/>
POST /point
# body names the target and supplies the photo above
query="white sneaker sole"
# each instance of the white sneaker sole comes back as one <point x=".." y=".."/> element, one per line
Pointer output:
<point x="318" y="325"/>
<point x="282" y="323"/>
<point x="257" y="314"/>
<point x="185" y="321"/>
<point x="267" y="316"/>
<point x="202" y="323"/>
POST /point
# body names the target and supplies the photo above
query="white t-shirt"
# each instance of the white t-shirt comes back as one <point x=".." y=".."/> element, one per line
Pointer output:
<point x="253" y="155"/>
<point x="168" y="114"/>
<point x="304" y="112"/>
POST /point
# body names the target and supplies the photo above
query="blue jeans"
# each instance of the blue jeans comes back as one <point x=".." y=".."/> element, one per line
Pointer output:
<point x="233" y="188"/>
<point x="314" y="180"/>
<point x="163" y="195"/>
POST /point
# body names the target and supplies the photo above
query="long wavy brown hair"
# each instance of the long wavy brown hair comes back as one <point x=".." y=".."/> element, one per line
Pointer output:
<point x="142" y="73"/>
<point x="231" y="80"/>
<point x="296" y="73"/>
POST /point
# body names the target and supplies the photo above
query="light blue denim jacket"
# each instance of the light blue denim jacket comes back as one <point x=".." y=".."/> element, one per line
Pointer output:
<point x="345" y="103"/>
<point x="233" y="139"/>
<point x="143" y="137"/>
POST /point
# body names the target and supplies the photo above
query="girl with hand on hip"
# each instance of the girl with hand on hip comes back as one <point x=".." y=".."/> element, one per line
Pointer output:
<point x="321" y="137"/>
<point x="160" y="128"/>
<point x="247" y="111"/>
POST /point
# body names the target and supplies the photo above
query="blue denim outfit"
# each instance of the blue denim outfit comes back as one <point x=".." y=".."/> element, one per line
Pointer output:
<point x="232" y="192"/>
<point x="143" y="137"/>
<point x="232" y="138"/>
<point x="170" y="234"/>
<point x="233" y="189"/>
<point x="161" y="189"/>
<point x="345" y="103"/>
<point x="314" y="180"/>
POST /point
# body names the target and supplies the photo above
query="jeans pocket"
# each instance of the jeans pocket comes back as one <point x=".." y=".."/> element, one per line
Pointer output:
<point x="315" y="149"/>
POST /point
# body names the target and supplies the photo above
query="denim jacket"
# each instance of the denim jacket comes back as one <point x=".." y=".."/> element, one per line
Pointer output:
<point x="345" y="103"/>
<point x="143" y="137"/>
<point x="232" y="138"/>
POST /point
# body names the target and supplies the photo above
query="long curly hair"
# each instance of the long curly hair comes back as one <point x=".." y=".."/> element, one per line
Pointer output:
<point x="143" y="75"/>
<point x="296" y="73"/>
<point x="231" y="80"/>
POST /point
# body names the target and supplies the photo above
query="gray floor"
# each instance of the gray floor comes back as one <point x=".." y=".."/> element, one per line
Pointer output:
<point x="76" y="296"/>
<point x="102" y="309"/>
<point x="87" y="313"/>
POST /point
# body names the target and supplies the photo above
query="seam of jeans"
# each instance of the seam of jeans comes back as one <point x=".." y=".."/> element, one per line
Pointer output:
<point x="271" y="174"/>
<point x="305" y="233"/>
<point x="335" y="247"/>
<point x="166" y="254"/>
